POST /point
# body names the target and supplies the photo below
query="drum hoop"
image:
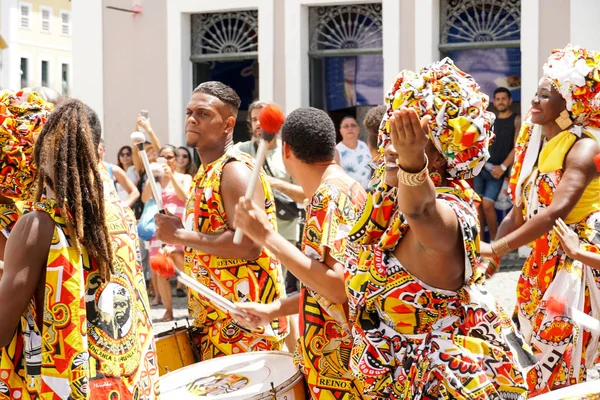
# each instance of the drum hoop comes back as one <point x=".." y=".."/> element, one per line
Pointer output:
<point x="172" y="332"/>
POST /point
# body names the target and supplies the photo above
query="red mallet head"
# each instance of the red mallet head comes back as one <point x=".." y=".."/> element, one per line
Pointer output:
<point x="597" y="162"/>
<point x="271" y="119"/>
<point x="556" y="306"/>
<point x="163" y="265"/>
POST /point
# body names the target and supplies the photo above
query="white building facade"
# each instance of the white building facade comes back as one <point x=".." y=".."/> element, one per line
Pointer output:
<point x="38" y="38"/>
<point x="339" y="55"/>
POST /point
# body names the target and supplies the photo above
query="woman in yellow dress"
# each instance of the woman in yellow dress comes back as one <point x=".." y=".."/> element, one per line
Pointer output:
<point x="554" y="177"/>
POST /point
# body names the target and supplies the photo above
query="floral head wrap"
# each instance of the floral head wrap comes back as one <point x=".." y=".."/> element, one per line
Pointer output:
<point x="460" y="126"/>
<point x="575" y="74"/>
<point x="22" y="117"/>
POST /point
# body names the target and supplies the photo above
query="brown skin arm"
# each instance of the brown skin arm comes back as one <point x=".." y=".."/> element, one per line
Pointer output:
<point x="26" y="256"/>
<point x="234" y="181"/>
<point x="324" y="277"/>
<point x="434" y="239"/>
<point x="579" y="170"/>
<point x="294" y="191"/>
<point x="130" y="188"/>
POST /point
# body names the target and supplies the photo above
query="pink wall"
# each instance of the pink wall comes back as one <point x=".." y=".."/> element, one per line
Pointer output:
<point x="135" y="71"/>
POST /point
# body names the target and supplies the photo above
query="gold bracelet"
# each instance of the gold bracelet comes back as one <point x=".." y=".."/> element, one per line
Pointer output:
<point x="413" y="179"/>
<point x="500" y="248"/>
<point x="492" y="268"/>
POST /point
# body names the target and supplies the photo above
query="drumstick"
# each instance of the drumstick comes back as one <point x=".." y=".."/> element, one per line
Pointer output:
<point x="138" y="139"/>
<point x="216" y="299"/>
<point x="558" y="306"/>
<point x="260" y="159"/>
<point x="271" y="119"/>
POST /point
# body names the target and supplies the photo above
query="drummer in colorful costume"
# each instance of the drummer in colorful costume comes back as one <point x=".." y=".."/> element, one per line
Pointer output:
<point x="73" y="285"/>
<point x="244" y="272"/>
<point x="553" y="177"/>
<point x="424" y="325"/>
<point x="323" y="351"/>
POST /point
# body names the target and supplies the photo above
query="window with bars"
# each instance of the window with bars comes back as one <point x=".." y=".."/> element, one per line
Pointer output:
<point x="65" y="19"/>
<point x="483" y="39"/>
<point x="46" y="13"/>
<point x="25" y="15"/>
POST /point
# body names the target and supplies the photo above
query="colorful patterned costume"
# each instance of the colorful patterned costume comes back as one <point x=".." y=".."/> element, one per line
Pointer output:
<point x="239" y="280"/>
<point x="22" y="116"/>
<point x="564" y="348"/>
<point x="412" y="340"/>
<point x="325" y="344"/>
<point x="115" y="356"/>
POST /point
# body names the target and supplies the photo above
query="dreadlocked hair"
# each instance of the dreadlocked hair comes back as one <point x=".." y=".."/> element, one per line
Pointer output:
<point x="66" y="145"/>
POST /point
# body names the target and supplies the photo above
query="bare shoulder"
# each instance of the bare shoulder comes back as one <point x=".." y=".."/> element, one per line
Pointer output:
<point x="33" y="228"/>
<point x="235" y="176"/>
<point x="582" y="153"/>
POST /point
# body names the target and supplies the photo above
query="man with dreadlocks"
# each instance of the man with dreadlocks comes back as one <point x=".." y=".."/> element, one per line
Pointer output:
<point x="69" y="264"/>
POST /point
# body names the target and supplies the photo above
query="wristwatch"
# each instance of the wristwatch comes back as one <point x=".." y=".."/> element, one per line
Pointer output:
<point x="503" y="167"/>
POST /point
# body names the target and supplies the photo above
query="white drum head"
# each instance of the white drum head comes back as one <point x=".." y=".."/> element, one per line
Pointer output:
<point x="241" y="376"/>
<point x="587" y="390"/>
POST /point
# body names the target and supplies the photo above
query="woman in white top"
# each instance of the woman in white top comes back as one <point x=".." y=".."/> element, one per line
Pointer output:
<point x="354" y="154"/>
<point x="125" y="162"/>
<point x="175" y="190"/>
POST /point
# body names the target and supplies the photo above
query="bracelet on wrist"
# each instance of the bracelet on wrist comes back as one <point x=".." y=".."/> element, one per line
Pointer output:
<point x="500" y="248"/>
<point x="413" y="178"/>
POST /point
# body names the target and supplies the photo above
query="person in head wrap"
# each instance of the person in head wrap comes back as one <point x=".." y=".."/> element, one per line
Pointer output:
<point x="554" y="177"/>
<point x="424" y="325"/>
<point x="22" y="117"/>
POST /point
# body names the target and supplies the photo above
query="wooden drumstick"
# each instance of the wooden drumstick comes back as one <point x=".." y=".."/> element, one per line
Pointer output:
<point x="138" y="139"/>
<point x="271" y="118"/>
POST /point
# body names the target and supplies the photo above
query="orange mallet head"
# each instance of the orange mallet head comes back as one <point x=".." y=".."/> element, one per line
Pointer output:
<point x="163" y="265"/>
<point x="271" y="119"/>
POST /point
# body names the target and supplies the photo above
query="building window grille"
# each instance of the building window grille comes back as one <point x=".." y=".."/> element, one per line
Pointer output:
<point x="351" y="29"/>
<point x="224" y="36"/>
<point x="480" y="23"/>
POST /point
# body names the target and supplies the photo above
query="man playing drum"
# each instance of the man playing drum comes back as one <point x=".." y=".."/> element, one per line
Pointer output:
<point x="308" y="137"/>
<point x="245" y="272"/>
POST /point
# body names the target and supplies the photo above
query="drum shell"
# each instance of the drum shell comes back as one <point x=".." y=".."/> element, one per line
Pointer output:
<point x="175" y="349"/>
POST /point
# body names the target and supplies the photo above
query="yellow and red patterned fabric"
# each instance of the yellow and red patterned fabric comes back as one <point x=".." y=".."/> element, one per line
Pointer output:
<point x="460" y="126"/>
<point x="238" y="280"/>
<point x="564" y="349"/>
<point x="325" y="342"/>
<point x="22" y="117"/>
<point x="414" y="341"/>
<point x="9" y="215"/>
<point x="96" y="341"/>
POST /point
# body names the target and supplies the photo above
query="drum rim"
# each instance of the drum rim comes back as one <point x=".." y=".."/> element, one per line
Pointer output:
<point x="288" y="383"/>
<point x="172" y="332"/>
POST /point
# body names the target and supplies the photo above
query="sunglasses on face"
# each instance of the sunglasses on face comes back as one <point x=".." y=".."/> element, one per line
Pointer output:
<point x="124" y="154"/>
<point x="182" y="156"/>
<point x="169" y="157"/>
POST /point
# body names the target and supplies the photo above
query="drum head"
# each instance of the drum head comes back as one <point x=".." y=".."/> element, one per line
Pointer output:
<point x="241" y="376"/>
<point x="582" y="391"/>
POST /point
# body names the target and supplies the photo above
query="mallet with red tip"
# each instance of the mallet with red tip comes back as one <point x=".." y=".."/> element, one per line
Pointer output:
<point x="271" y="119"/>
